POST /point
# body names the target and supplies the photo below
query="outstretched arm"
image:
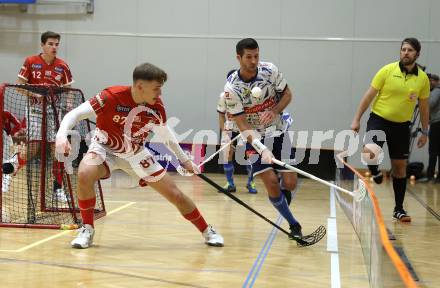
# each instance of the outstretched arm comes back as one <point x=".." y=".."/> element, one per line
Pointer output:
<point x="167" y="136"/>
<point x="81" y="112"/>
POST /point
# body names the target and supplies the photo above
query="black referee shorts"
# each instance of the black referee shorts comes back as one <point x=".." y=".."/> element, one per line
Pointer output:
<point x="397" y="135"/>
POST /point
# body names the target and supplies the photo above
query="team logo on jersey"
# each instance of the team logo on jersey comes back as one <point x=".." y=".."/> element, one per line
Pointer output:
<point x="121" y="108"/>
<point x="58" y="77"/>
<point x="231" y="105"/>
<point x="59" y="69"/>
<point x="37" y="66"/>
<point x="48" y="73"/>
<point x="100" y="99"/>
<point x="268" y="104"/>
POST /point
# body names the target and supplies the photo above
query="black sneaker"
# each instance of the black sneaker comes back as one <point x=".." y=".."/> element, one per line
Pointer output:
<point x="401" y="216"/>
<point x="287" y="195"/>
<point x="378" y="178"/>
<point x="295" y="231"/>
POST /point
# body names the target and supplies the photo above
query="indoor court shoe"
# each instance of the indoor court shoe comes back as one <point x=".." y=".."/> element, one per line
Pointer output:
<point x="378" y="178"/>
<point x="229" y="187"/>
<point x="252" y="188"/>
<point x="401" y="216"/>
<point x="84" y="239"/>
<point x="212" y="238"/>
<point x="59" y="193"/>
<point x="295" y="231"/>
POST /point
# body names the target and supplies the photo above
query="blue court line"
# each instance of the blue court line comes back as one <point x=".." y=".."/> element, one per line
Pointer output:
<point x="266" y="247"/>
<point x="262" y="256"/>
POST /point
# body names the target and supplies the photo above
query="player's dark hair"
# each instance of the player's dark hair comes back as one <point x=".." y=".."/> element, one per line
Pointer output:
<point x="149" y="72"/>
<point x="49" y="34"/>
<point x="413" y="42"/>
<point x="247" y="43"/>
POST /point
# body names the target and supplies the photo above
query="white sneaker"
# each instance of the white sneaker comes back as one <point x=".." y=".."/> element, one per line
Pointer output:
<point x="60" y="195"/>
<point x="212" y="238"/>
<point x="84" y="239"/>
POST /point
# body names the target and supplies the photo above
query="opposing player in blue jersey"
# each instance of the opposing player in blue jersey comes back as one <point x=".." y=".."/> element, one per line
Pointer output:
<point x="260" y="119"/>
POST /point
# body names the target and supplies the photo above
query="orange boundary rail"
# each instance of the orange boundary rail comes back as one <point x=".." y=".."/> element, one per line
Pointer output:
<point x="395" y="259"/>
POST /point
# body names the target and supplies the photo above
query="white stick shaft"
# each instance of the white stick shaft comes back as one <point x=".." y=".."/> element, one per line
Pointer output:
<point x="299" y="171"/>
<point x="219" y="150"/>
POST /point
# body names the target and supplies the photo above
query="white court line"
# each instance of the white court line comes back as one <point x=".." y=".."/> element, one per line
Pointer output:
<point x="332" y="242"/>
<point x="27" y="247"/>
<point x="332" y="238"/>
<point x="332" y="203"/>
<point x="336" y="281"/>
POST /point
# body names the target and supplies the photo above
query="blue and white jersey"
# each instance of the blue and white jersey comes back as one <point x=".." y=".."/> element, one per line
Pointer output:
<point x="230" y="124"/>
<point x="239" y="99"/>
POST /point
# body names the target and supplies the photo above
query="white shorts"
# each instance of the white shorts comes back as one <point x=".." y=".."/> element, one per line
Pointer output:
<point x="35" y="124"/>
<point x="142" y="166"/>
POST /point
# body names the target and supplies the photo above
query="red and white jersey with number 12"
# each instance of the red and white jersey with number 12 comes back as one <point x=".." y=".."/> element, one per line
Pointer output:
<point x="36" y="71"/>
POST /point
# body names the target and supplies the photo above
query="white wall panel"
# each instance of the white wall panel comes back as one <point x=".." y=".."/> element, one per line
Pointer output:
<point x="97" y="63"/>
<point x="320" y="76"/>
<point x="173" y="17"/>
<point x="392" y="19"/>
<point x="245" y="17"/>
<point x="185" y="62"/>
<point x="317" y="18"/>
<point x="110" y="16"/>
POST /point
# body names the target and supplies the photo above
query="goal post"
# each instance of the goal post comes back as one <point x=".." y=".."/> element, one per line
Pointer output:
<point x="37" y="192"/>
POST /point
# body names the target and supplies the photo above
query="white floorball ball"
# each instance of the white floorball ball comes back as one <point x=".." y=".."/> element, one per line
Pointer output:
<point x="256" y="92"/>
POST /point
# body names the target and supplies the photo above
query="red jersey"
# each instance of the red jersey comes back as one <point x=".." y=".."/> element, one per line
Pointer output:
<point x="113" y="106"/>
<point x="36" y="71"/>
<point x="10" y="123"/>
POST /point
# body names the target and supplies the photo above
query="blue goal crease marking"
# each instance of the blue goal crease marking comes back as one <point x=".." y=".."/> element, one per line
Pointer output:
<point x="265" y="250"/>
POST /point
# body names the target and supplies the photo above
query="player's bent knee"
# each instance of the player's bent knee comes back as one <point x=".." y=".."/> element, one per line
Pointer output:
<point x="87" y="176"/>
<point x="290" y="184"/>
<point x="290" y="181"/>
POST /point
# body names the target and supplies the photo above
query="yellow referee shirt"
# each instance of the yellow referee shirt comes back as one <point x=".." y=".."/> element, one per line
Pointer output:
<point x="398" y="92"/>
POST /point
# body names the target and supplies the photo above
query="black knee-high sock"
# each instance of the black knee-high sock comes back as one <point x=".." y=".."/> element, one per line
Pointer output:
<point x="399" y="186"/>
<point x="374" y="169"/>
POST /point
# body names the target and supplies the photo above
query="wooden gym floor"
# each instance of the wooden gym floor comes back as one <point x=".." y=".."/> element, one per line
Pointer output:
<point x="144" y="242"/>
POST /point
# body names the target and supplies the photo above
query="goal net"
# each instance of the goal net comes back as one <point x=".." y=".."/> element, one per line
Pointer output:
<point x="37" y="191"/>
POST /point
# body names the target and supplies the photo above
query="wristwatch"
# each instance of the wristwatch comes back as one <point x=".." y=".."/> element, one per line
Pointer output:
<point x="424" y="132"/>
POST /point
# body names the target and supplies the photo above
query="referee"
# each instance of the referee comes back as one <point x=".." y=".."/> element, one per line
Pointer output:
<point x="395" y="91"/>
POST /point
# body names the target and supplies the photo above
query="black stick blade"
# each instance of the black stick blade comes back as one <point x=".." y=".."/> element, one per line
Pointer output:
<point x="312" y="238"/>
